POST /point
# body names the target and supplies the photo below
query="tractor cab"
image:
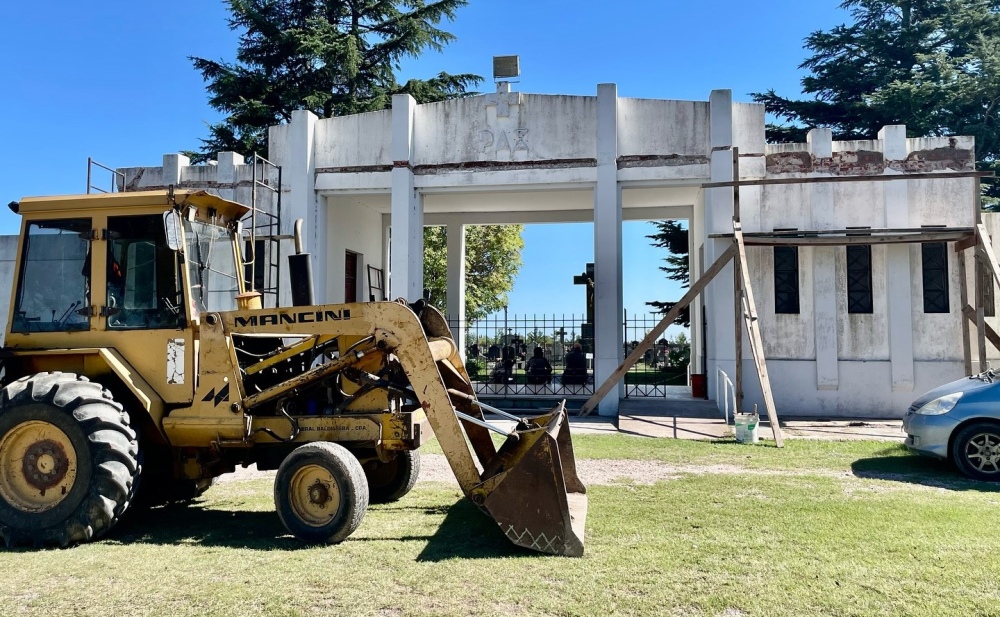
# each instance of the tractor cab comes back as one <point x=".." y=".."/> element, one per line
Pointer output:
<point x="126" y="261"/>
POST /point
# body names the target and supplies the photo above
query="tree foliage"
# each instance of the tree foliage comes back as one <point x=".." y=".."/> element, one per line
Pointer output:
<point x="331" y="57"/>
<point x="673" y="236"/>
<point x="492" y="261"/>
<point x="933" y="65"/>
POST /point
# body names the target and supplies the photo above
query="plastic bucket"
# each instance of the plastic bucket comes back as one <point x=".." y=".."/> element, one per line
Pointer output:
<point x="746" y="427"/>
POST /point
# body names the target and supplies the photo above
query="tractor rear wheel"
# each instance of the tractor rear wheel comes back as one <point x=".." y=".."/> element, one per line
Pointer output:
<point x="388" y="482"/>
<point x="320" y="493"/>
<point x="68" y="460"/>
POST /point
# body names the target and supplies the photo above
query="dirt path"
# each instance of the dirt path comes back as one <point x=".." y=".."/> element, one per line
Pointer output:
<point x="593" y="472"/>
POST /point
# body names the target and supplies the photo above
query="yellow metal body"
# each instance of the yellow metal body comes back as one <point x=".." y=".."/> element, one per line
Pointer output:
<point x="233" y="387"/>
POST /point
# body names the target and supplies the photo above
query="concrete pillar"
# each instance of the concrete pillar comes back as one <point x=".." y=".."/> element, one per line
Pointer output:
<point x="696" y="242"/>
<point x="172" y="164"/>
<point x="898" y="285"/>
<point x="719" y="300"/>
<point x="824" y="270"/>
<point x="299" y="200"/>
<point x="407" y="265"/>
<point x="608" y="302"/>
<point x="226" y="174"/>
<point x="456" y="284"/>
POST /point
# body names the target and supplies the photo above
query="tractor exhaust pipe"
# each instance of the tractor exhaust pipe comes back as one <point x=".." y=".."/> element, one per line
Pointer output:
<point x="300" y="272"/>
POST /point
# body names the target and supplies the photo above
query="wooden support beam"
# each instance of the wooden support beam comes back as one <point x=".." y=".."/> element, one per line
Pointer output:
<point x="986" y="245"/>
<point x="739" y="315"/>
<point x="963" y="287"/>
<point x="647" y="342"/>
<point x="756" y="342"/>
<point x="980" y="314"/>
<point x="738" y="312"/>
<point x="966" y="243"/>
<point x="991" y="334"/>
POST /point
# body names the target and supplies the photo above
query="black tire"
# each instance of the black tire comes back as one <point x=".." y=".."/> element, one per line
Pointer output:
<point x="390" y="481"/>
<point x="339" y="485"/>
<point x="95" y="433"/>
<point x="975" y="450"/>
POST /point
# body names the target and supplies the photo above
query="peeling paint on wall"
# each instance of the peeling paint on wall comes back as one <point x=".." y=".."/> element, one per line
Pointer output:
<point x="870" y="162"/>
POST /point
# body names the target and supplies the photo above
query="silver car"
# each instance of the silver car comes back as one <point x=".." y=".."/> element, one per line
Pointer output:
<point x="959" y="421"/>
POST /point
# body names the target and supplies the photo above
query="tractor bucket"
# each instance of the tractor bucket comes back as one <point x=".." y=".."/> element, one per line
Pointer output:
<point x="531" y="488"/>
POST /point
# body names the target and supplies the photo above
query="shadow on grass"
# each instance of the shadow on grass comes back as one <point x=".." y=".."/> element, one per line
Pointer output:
<point x="197" y="524"/>
<point x="465" y="531"/>
<point x="914" y="469"/>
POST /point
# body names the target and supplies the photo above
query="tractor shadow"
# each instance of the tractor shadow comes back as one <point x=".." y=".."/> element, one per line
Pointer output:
<point x="200" y="525"/>
<point x="465" y="532"/>
<point x="914" y="469"/>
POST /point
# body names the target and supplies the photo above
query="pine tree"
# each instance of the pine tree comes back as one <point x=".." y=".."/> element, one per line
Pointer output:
<point x="672" y="236"/>
<point x="933" y="65"/>
<point x="332" y="57"/>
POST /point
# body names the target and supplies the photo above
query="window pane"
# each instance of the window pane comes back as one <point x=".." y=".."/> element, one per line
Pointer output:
<point x="144" y="287"/>
<point x="786" y="279"/>
<point x="54" y="289"/>
<point x="211" y="266"/>
<point x="859" y="279"/>
<point x="935" y="275"/>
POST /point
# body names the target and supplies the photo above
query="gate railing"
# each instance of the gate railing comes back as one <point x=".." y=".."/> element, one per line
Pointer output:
<point x="500" y="348"/>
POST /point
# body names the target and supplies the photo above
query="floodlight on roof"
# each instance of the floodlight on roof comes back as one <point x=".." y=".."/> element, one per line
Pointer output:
<point x="506" y="67"/>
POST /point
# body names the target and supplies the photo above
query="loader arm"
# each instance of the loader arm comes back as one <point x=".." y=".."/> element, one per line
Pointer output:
<point x="529" y="486"/>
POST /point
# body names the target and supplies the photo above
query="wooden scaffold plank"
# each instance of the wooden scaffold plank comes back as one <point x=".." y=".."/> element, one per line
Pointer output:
<point x="637" y="353"/>
<point x="756" y="342"/>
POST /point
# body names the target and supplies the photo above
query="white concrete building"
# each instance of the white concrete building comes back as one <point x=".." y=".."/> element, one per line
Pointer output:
<point x="366" y="185"/>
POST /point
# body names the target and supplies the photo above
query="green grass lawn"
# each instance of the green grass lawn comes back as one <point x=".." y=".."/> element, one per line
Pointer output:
<point x="819" y="528"/>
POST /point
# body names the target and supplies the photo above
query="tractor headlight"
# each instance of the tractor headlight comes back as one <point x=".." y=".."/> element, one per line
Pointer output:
<point x="940" y="405"/>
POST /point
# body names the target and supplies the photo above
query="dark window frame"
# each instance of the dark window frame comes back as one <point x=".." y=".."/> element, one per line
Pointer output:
<point x="860" y="298"/>
<point x="989" y="289"/>
<point x="934" y="274"/>
<point x="786" y="280"/>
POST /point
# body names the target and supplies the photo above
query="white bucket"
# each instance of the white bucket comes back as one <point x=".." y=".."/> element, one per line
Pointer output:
<point x="746" y="427"/>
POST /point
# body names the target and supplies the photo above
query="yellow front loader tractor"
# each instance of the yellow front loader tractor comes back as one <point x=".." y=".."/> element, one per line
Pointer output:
<point x="137" y="367"/>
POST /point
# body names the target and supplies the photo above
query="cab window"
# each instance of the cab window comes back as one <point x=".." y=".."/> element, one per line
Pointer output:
<point x="53" y="292"/>
<point x="211" y="261"/>
<point x="144" y="276"/>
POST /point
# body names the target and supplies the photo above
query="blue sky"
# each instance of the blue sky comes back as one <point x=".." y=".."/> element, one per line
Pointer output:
<point x="112" y="80"/>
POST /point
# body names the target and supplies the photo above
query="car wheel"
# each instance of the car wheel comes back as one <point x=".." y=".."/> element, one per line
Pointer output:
<point x="976" y="451"/>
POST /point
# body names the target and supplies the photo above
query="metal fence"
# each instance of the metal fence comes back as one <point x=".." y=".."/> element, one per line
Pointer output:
<point x="662" y="365"/>
<point x="500" y="356"/>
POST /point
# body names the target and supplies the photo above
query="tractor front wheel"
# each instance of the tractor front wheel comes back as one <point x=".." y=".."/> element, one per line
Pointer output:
<point x="320" y="493"/>
<point x="68" y="460"/>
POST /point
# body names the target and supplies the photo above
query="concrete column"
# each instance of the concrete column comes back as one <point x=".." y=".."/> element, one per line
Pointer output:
<point x="172" y="164"/>
<point x="226" y="174"/>
<point x="696" y="241"/>
<point x="407" y="264"/>
<point x="719" y="300"/>
<point x="299" y="200"/>
<point x="898" y="284"/>
<point x="456" y="284"/>
<point x="824" y="270"/>
<point x="608" y="302"/>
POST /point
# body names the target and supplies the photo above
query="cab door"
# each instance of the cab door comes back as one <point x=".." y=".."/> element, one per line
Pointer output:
<point x="144" y="308"/>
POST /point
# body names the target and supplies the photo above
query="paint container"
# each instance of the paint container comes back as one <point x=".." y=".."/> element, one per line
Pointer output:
<point x="746" y="427"/>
